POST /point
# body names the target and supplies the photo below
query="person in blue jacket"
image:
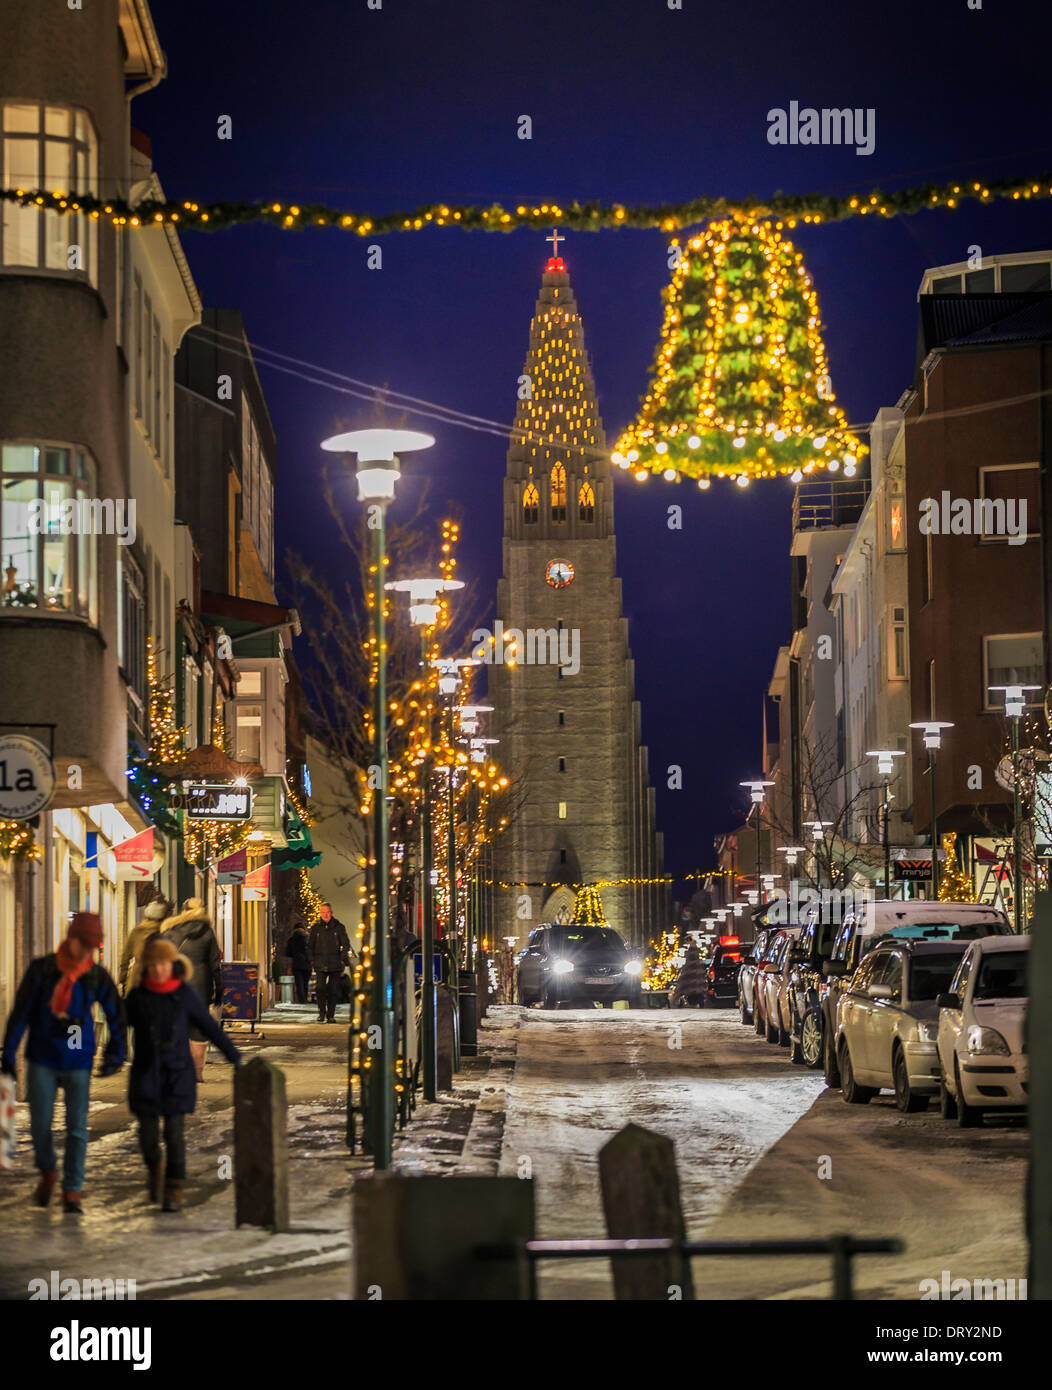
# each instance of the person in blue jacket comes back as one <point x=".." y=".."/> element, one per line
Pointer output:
<point x="161" y="1011"/>
<point x="54" y="1005"/>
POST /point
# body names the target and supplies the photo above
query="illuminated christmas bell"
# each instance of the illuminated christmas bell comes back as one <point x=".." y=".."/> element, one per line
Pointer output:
<point x="740" y="387"/>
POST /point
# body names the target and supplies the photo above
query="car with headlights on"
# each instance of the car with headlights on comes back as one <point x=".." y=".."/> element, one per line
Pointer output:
<point x="981" y="1043"/>
<point x="888" y="1022"/>
<point x="567" y="964"/>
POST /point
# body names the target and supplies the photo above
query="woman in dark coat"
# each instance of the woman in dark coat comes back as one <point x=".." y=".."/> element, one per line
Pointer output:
<point x="690" y="983"/>
<point x="162" y="1011"/>
<point x="190" y="931"/>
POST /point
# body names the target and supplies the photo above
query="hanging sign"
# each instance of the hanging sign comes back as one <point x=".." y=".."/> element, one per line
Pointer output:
<point x="233" y="868"/>
<point x="256" y="888"/>
<point x="138" y="858"/>
<point x="913" y="865"/>
<point x="214" y="801"/>
<point x="27" y="777"/>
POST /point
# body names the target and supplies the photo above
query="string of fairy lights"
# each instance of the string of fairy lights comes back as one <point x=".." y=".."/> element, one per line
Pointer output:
<point x="589" y="216"/>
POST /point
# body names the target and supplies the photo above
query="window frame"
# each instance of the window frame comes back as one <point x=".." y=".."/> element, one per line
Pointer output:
<point x="995" y="705"/>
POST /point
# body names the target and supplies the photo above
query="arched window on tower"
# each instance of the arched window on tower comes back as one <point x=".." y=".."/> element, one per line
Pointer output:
<point x="558" y="493"/>
<point x="586" y="503"/>
<point x="531" y="504"/>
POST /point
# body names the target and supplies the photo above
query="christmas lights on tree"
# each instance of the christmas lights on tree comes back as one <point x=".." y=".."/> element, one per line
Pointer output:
<point x="740" y="387"/>
<point x="166" y="745"/>
<point x="661" y="969"/>
<point x="588" y="908"/>
<point x="17" y="841"/>
<point x="955" y="886"/>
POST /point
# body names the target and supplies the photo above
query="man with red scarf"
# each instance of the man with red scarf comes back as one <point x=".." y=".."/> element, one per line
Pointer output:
<point x="54" y="1003"/>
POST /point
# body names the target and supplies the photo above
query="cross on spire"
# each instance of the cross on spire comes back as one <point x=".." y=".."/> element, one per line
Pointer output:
<point x="555" y="239"/>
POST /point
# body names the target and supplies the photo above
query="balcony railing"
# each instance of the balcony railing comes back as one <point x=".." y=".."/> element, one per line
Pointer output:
<point x="829" y="502"/>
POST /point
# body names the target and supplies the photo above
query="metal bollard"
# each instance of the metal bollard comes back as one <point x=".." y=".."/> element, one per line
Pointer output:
<point x="468" y="1014"/>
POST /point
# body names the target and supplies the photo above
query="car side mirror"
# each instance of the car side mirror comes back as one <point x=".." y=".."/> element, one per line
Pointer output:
<point x="880" y="991"/>
<point x="947" y="1001"/>
<point x="832" y="969"/>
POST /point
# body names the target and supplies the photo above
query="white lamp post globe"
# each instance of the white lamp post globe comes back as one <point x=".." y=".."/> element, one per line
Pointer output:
<point x="377" y="451"/>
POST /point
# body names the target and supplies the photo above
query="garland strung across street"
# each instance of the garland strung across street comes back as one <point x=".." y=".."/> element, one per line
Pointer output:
<point x="740" y="387"/>
<point x="580" y="217"/>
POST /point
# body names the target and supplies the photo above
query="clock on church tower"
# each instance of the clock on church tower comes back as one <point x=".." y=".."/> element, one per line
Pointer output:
<point x="569" y="729"/>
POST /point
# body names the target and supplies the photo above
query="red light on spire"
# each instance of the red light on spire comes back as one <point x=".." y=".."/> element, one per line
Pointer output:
<point x="554" y="263"/>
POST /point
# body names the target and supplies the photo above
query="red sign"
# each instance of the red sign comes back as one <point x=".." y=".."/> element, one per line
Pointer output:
<point x="234" y="868"/>
<point x="256" y="887"/>
<point x="135" y="856"/>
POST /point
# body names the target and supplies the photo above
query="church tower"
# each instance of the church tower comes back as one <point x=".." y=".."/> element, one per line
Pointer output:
<point x="562" y="678"/>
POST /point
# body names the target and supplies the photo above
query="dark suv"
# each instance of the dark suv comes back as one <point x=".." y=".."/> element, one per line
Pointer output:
<point x="571" y="964"/>
<point x="721" y="972"/>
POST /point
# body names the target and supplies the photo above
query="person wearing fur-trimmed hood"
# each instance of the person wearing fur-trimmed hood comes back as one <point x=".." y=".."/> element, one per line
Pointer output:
<point x="161" y="1012"/>
<point x="130" y="972"/>
<point x="190" y="932"/>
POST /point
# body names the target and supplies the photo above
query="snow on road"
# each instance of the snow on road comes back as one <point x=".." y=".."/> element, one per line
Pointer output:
<point x="719" y="1092"/>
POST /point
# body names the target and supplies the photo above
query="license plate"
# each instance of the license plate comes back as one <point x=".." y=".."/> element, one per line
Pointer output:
<point x="596" y="980"/>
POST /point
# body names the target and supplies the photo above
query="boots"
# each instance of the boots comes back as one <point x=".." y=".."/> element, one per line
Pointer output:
<point x="71" y="1204"/>
<point x="44" y="1188"/>
<point x="173" y="1196"/>
<point x="154" y="1170"/>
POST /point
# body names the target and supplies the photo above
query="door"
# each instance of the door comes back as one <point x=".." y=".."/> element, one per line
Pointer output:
<point x="883" y="1017"/>
<point x="855" y="1010"/>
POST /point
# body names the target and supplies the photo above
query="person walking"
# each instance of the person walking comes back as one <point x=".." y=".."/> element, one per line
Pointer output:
<point x="690" y="982"/>
<point x="330" y="948"/>
<point x="54" y="1005"/>
<point x="163" y="1012"/>
<point x="130" y="971"/>
<point x="190" y="932"/>
<point x="298" y="950"/>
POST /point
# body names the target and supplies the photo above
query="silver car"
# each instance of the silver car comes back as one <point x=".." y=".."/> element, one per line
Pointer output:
<point x="887" y="1022"/>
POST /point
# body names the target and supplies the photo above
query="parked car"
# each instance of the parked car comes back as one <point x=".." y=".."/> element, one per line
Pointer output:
<point x="721" y="972"/>
<point x="570" y="964"/>
<point x="982" y="1052"/>
<point x="877" y="921"/>
<point x="763" y="965"/>
<point x="888" y="1020"/>
<point x="807" y="988"/>
<point x="773" y="983"/>
<point x="751" y="958"/>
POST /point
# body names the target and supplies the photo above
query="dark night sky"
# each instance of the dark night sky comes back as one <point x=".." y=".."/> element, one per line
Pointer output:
<point x="384" y="110"/>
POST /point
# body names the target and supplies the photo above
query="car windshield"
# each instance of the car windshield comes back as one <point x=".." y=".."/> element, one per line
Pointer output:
<point x="1002" y="975"/>
<point x="931" y="974"/>
<point x="944" y="931"/>
<point x="577" y="940"/>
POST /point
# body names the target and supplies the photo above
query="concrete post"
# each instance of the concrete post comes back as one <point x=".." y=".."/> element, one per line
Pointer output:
<point x="261" y="1165"/>
<point x="640" y="1189"/>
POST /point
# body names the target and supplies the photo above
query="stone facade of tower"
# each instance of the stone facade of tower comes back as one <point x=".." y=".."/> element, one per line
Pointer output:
<point x="582" y="808"/>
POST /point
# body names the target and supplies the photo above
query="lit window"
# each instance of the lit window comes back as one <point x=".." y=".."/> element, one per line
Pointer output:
<point x="558" y="493"/>
<point x="531" y="503"/>
<point x="249" y="731"/>
<point x="562" y="810"/>
<point x="51" y="148"/>
<point x="586" y="503"/>
<point x="50" y="522"/>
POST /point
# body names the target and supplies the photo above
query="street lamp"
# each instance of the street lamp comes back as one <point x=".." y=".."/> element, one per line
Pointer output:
<point x="932" y="733"/>
<point x="423" y="613"/>
<point x="757" y="794"/>
<point x="886" y="766"/>
<point x="818" y="834"/>
<point x="377" y="472"/>
<point x="1015" y="703"/>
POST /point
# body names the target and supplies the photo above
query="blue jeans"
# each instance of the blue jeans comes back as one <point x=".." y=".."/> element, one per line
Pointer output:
<point x="43" y="1084"/>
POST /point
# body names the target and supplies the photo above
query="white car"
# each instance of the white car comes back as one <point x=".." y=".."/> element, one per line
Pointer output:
<point x="982" y="1054"/>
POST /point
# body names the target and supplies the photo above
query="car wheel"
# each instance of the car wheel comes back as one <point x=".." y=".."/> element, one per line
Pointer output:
<point x="829" y="1063"/>
<point x="745" y="1013"/>
<point x="549" y="1000"/>
<point x="852" y="1092"/>
<point x="947" y="1104"/>
<point x="905" y="1097"/>
<point x="796" y="1052"/>
<point x="759" y="1027"/>
<point x="783" y="1037"/>
<point x="811" y="1039"/>
<point x="523" y="998"/>
<point x="968" y="1117"/>
<point x="770" y="1032"/>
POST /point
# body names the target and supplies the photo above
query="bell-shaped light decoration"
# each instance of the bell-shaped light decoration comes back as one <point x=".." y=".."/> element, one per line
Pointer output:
<point x="740" y="386"/>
